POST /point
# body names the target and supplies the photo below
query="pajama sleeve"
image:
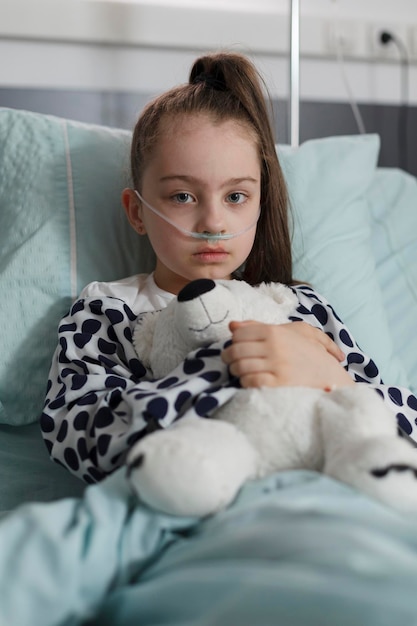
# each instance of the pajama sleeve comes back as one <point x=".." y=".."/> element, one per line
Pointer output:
<point x="100" y="398"/>
<point x="315" y="310"/>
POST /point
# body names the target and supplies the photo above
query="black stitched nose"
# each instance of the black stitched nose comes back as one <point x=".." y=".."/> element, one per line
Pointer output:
<point x="195" y="289"/>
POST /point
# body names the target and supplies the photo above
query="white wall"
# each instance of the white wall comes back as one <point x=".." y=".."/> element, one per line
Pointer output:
<point x="149" y="45"/>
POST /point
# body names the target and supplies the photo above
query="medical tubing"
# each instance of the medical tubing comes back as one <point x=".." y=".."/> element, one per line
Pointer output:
<point x="205" y="235"/>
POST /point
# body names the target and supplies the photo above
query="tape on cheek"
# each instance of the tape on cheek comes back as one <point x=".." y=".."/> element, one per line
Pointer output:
<point x="204" y="235"/>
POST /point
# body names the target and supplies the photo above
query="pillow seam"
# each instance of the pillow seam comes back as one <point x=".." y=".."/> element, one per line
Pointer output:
<point x="71" y="213"/>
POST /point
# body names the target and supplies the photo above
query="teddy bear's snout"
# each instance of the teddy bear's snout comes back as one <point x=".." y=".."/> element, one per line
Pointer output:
<point x="195" y="289"/>
<point x="204" y="312"/>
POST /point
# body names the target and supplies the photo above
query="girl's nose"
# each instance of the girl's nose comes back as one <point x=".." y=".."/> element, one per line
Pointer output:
<point x="211" y="217"/>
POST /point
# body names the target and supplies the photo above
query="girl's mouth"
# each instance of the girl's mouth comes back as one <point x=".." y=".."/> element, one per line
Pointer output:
<point x="210" y="254"/>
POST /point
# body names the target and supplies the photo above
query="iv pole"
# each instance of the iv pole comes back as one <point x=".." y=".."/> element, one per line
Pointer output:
<point x="294" y="101"/>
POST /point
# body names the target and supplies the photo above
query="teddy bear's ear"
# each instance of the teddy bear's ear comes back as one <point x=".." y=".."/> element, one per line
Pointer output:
<point x="143" y="336"/>
<point x="282" y="295"/>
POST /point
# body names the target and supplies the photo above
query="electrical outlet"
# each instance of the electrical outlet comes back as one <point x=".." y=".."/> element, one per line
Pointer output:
<point x="389" y="50"/>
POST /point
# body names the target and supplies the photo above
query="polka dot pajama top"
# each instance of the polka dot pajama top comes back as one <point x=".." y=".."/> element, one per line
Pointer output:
<point x="101" y="399"/>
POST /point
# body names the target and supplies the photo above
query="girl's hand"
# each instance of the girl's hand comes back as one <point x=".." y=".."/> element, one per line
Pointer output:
<point x="293" y="354"/>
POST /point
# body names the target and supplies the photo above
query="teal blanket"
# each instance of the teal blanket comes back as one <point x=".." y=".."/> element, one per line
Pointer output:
<point x="294" y="549"/>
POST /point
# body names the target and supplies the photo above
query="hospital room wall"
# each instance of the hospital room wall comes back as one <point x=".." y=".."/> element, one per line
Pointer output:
<point x="108" y="81"/>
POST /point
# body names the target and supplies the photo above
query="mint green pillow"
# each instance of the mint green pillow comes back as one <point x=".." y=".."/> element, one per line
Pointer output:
<point x="61" y="226"/>
<point x="328" y="180"/>
<point x="393" y="206"/>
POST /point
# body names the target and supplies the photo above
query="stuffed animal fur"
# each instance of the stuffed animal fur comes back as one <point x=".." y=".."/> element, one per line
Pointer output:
<point x="197" y="466"/>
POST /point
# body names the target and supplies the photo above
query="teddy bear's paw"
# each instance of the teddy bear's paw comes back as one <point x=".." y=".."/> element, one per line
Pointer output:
<point x="385" y="468"/>
<point x="193" y="468"/>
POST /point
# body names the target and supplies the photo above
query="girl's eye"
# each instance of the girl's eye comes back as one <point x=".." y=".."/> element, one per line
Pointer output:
<point x="183" y="198"/>
<point x="236" y="197"/>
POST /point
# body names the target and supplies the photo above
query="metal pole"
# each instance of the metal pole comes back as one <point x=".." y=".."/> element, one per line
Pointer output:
<point x="295" y="73"/>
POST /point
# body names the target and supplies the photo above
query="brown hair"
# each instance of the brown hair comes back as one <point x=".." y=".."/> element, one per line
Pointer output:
<point x="225" y="86"/>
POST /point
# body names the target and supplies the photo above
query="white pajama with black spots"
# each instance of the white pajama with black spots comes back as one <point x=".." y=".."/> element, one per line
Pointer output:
<point x="100" y="399"/>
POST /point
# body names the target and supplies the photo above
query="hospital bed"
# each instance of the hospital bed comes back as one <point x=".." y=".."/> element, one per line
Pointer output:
<point x="296" y="548"/>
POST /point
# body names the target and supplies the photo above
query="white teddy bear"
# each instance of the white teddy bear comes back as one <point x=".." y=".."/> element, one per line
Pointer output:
<point x="197" y="466"/>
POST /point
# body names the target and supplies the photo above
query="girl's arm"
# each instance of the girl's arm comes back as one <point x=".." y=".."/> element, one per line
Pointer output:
<point x="294" y="354"/>
<point x="100" y="399"/>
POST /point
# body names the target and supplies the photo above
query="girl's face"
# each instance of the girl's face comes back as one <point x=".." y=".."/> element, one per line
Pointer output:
<point x="205" y="177"/>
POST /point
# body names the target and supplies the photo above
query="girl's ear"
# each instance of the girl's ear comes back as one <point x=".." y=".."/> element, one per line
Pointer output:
<point x="133" y="210"/>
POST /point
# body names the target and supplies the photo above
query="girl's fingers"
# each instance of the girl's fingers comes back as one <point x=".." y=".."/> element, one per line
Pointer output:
<point x="331" y="347"/>
<point x="244" y="349"/>
<point x="251" y="330"/>
<point x="258" y="379"/>
<point x="287" y="354"/>
<point x="241" y="367"/>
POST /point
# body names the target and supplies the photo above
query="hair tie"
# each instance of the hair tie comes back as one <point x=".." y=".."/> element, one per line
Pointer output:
<point x="210" y="80"/>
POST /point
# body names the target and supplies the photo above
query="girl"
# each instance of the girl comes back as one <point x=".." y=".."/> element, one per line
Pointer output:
<point x="209" y="193"/>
